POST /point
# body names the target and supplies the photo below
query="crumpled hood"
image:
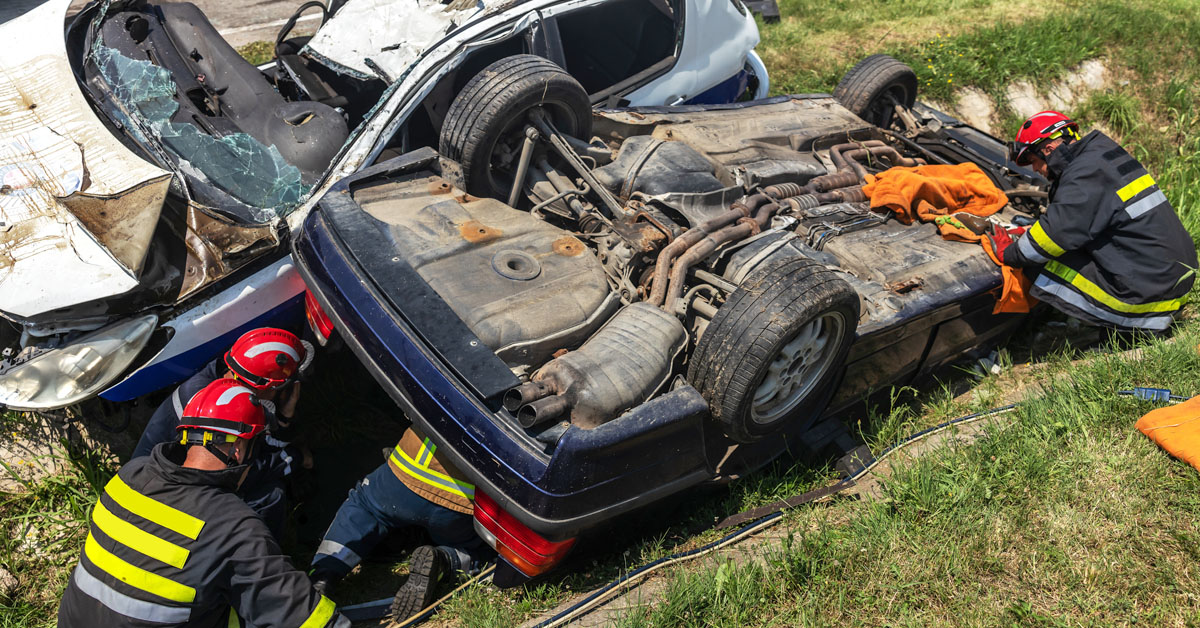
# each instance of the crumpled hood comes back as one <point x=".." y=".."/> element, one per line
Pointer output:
<point x="77" y="208"/>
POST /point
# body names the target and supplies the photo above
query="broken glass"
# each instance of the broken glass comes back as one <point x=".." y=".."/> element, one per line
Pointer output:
<point x="246" y="169"/>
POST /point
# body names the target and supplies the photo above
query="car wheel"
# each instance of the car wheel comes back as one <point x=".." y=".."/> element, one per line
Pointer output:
<point x="875" y="86"/>
<point x="772" y="354"/>
<point x="484" y="129"/>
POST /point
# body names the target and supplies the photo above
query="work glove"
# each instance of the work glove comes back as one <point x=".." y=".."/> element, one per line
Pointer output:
<point x="1002" y="238"/>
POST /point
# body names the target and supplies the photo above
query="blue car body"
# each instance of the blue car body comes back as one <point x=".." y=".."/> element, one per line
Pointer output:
<point x="567" y="480"/>
<point x="454" y="394"/>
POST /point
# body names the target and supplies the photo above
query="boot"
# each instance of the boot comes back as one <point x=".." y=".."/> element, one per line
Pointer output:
<point x="426" y="566"/>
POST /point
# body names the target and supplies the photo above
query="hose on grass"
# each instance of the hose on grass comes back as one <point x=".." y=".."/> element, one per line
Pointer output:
<point x="424" y="613"/>
<point x="618" y="585"/>
<point x="626" y="580"/>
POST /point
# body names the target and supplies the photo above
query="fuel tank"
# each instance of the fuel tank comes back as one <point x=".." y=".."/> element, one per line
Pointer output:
<point x="524" y="287"/>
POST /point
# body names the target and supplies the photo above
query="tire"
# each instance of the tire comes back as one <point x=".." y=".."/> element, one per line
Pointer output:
<point x="866" y="87"/>
<point x="791" y="306"/>
<point x="493" y="107"/>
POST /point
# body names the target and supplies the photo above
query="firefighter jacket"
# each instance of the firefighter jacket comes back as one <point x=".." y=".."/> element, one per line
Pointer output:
<point x="1112" y="250"/>
<point x="418" y="465"/>
<point x="173" y="546"/>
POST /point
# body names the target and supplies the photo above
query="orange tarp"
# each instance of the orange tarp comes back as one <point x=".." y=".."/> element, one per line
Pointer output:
<point x="931" y="194"/>
<point x="1176" y="429"/>
<point x="926" y="192"/>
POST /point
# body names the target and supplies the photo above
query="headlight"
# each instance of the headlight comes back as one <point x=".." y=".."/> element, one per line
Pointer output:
<point x="70" y="374"/>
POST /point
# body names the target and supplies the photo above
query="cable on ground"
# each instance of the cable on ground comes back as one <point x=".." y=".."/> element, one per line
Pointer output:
<point x="626" y="580"/>
<point x="428" y="610"/>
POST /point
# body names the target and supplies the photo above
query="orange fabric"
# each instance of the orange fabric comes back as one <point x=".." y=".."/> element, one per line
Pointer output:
<point x="1014" y="291"/>
<point x="926" y="192"/>
<point x="932" y="194"/>
<point x="1176" y="429"/>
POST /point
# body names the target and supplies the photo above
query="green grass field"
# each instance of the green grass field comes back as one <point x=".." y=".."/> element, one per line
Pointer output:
<point x="1065" y="516"/>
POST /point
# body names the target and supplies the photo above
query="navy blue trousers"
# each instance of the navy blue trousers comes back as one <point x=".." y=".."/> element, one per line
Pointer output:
<point x="381" y="503"/>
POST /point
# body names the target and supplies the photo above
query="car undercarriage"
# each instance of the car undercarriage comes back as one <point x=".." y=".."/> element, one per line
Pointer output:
<point x="606" y="260"/>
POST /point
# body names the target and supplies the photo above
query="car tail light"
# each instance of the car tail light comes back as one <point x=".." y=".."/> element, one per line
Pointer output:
<point x="521" y="547"/>
<point x="318" y="320"/>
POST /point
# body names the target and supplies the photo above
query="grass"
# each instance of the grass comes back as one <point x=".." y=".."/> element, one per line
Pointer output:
<point x="1118" y="110"/>
<point x="258" y="52"/>
<point x="41" y="531"/>
<point x="1063" y="516"/>
<point x="816" y="42"/>
<point x="982" y="44"/>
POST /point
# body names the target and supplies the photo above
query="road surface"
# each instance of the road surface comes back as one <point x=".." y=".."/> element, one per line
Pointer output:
<point x="239" y="22"/>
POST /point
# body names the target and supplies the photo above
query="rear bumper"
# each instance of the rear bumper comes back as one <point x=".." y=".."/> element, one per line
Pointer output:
<point x="560" y="489"/>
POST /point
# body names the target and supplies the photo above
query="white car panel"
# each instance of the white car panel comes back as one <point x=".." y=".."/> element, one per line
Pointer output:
<point x="56" y="157"/>
<point x="716" y="40"/>
<point x="391" y="34"/>
<point x="212" y="325"/>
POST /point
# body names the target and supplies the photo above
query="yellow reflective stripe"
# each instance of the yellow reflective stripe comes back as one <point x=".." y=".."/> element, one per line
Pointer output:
<point x="1085" y="285"/>
<point x="437" y="480"/>
<point x="1044" y="241"/>
<point x="138" y="539"/>
<point x="1137" y="185"/>
<point x="233" y="621"/>
<point x="137" y="577"/>
<point x="321" y="614"/>
<point x="426" y="452"/>
<point x="153" y="510"/>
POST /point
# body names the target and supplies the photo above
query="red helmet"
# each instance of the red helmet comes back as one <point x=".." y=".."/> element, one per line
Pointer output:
<point x="1042" y="127"/>
<point x="226" y="407"/>
<point x="266" y="358"/>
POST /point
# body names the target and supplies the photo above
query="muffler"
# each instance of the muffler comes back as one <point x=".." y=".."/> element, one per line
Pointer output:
<point x="620" y="366"/>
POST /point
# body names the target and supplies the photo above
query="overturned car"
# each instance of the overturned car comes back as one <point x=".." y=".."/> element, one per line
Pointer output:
<point x="588" y="311"/>
<point x="150" y="177"/>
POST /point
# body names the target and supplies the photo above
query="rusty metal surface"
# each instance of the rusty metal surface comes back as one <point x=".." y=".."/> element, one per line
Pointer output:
<point x="643" y="236"/>
<point x="767" y="131"/>
<point x="476" y="232"/>
<point x="525" y="287"/>
<point x="217" y="247"/>
<point x="906" y="286"/>
<point x="440" y="186"/>
<point x="568" y="246"/>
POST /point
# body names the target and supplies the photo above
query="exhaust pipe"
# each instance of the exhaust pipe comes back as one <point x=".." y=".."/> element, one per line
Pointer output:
<point x="525" y="394"/>
<point x="541" y="411"/>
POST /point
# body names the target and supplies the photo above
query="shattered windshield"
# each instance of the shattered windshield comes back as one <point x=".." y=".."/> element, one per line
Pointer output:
<point x="246" y="169"/>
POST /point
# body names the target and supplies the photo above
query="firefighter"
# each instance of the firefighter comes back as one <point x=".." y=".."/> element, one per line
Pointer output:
<point x="267" y="360"/>
<point x="170" y="544"/>
<point x="416" y="486"/>
<point x="1110" y="249"/>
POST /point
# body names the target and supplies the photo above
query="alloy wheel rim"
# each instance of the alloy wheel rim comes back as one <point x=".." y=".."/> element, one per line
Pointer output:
<point x="798" y="366"/>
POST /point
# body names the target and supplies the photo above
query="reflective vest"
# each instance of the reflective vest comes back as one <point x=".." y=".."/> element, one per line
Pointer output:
<point x="1112" y="250"/>
<point x="171" y="546"/>
<point x="416" y="462"/>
